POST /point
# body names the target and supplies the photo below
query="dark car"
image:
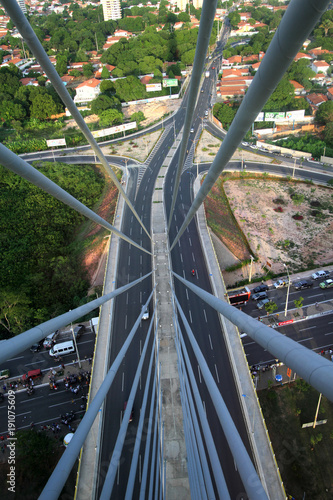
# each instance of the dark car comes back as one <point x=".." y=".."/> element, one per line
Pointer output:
<point x="303" y="284"/>
<point x="260" y="288"/>
<point x="259" y="296"/>
<point x="36" y="347"/>
<point x="78" y="330"/>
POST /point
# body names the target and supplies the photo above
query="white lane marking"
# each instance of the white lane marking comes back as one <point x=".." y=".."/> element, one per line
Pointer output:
<point x="183" y="274"/>
<point x="204" y="311"/>
<point x="217" y="375"/>
<point x="304" y="340"/>
<point x="26" y="413"/>
<point x="193" y="257"/>
<point x="304" y="329"/>
<point x="330" y="333"/>
<point x="186" y="293"/>
<point x="58" y="404"/>
<point x="181" y="258"/>
<point x="127" y="298"/>
<point x="210" y="341"/>
<point x="189" y="311"/>
<point x="199" y="374"/>
<point x="39" y="397"/>
<point x="125" y="321"/>
<point x="13" y="359"/>
<point x="130" y="231"/>
<point x="204" y="405"/>
<point x="140" y="259"/>
<point x="129" y="260"/>
<point x="35" y="363"/>
<point x="122" y="382"/>
<point x="190" y="242"/>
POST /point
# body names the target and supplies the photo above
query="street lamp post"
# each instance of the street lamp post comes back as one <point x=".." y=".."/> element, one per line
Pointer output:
<point x="250" y="277"/>
<point x="285" y="310"/>
<point x="76" y="349"/>
<point x="246" y="396"/>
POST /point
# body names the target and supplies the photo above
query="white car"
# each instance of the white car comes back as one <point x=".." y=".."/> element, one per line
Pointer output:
<point x="280" y="284"/>
<point x="320" y="274"/>
<point x="49" y="341"/>
<point x="145" y="314"/>
<point x="245" y="143"/>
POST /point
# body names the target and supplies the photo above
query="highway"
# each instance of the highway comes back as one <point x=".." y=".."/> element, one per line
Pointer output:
<point x="132" y="263"/>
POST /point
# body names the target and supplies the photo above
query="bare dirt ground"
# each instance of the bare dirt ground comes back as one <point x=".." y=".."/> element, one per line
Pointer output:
<point x="275" y="236"/>
<point x="153" y="110"/>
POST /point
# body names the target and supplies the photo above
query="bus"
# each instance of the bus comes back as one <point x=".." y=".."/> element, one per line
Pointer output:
<point x="239" y="296"/>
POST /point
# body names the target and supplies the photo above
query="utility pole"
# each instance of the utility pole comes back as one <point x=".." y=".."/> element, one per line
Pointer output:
<point x="250" y="277"/>
<point x="285" y="310"/>
<point x="77" y="352"/>
<point x="317" y="411"/>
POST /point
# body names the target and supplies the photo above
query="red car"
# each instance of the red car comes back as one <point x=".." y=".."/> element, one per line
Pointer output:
<point x="131" y="415"/>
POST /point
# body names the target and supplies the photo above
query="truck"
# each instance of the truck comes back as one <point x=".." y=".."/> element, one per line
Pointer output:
<point x="207" y="74"/>
<point x="239" y="296"/>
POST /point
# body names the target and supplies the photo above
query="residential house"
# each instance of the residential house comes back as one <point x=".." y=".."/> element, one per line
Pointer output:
<point x="87" y="91"/>
<point x="234" y="60"/>
<point x="330" y="93"/>
<point x="109" y="67"/>
<point x="316" y="100"/>
<point x="318" y="51"/>
<point x="299" y="89"/>
<point x="29" y="81"/>
<point x="302" y="55"/>
<point x="320" y="66"/>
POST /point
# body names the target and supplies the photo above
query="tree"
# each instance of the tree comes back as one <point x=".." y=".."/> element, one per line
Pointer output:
<point x="105" y="72"/>
<point x="138" y="117"/>
<point x="107" y="86"/>
<point x="281" y="98"/>
<point x="103" y="102"/>
<point x="270" y="307"/>
<point x="11" y="110"/>
<point x="234" y="19"/>
<point x="43" y="106"/>
<point x="14" y="312"/>
<point x="110" y="117"/>
<point x="326" y="25"/>
<point x="61" y="64"/>
<point x="88" y="70"/>
<point x="324" y="113"/>
<point x="299" y="303"/>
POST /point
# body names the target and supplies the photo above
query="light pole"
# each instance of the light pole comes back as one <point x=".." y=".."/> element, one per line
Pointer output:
<point x="250" y="277"/>
<point x="294" y="167"/>
<point x="285" y="311"/>
<point x="246" y="396"/>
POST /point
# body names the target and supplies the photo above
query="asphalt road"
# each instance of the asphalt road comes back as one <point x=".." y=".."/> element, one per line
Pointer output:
<point x="132" y="264"/>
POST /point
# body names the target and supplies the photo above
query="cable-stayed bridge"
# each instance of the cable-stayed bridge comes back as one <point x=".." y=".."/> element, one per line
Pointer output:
<point x="186" y="430"/>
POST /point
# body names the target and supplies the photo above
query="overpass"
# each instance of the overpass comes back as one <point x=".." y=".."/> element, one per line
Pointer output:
<point x="162" y="465"/>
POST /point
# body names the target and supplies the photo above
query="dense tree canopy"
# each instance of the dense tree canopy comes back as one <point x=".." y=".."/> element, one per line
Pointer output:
<point x="40" y="274"/>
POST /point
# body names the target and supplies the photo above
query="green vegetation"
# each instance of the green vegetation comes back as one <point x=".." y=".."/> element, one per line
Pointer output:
<point x="308" y="143"/>
<point x="41" y="275"/>
<point x="303" y="455"/>
<point x="222" y="221"/>
<point x="270" y="307"/>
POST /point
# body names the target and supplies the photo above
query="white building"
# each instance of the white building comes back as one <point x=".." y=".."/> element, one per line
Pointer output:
<point x="87" y="91"/>
<point x="111" y="9"/>
<point x="22" y="5"/>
